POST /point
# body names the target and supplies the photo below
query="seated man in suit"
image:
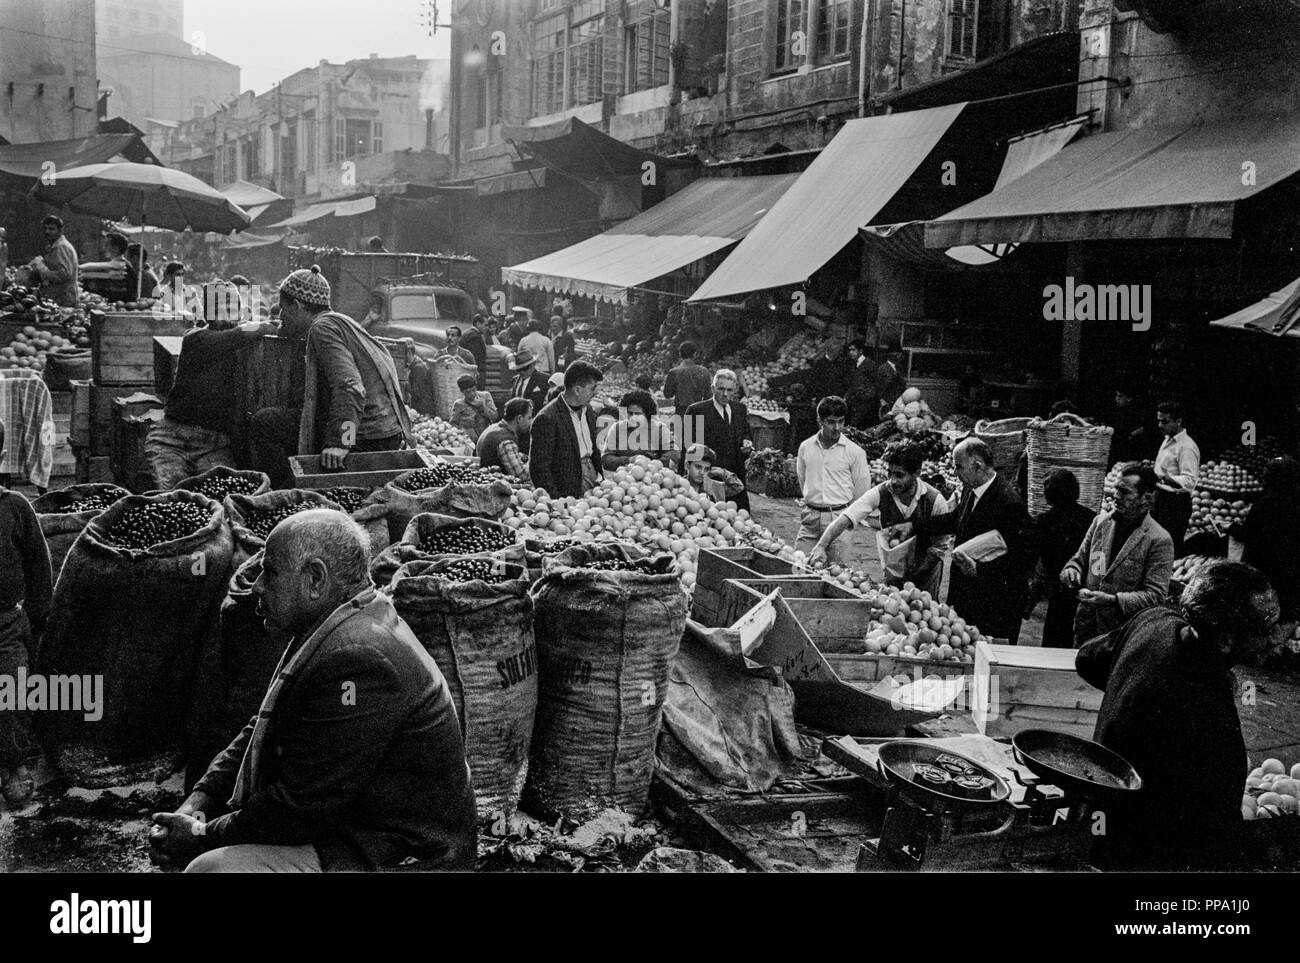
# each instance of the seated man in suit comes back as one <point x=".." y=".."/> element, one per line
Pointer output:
<point x="722" y="423"/>
<point x="988" y="594"/>
<point x="355" y="760"/>
<point x="563" y="457"/>
<point x="1124" y="562"/>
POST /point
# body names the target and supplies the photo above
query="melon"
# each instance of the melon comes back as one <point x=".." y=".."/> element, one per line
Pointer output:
<point x="911" y="395"/>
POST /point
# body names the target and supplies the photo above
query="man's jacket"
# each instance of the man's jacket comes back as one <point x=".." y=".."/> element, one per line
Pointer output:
<point x="553" y="458"/>
<point x="359" y="753"/>
<point x="1138" y="577"/>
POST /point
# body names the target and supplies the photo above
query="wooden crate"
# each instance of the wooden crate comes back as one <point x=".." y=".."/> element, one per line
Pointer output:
<point x="166" y="358"/>
<point x="768" y="434"/>
<point x="90" y="468"/>
<point x="738" y="596"/>
<point x="121" y="345"/>
<point x="1037" y="688"/>
<point x="103" y="413"/>
<point x="716" y="565"/>
<point x="80" y="426"/>
<point x="369" y="469"/>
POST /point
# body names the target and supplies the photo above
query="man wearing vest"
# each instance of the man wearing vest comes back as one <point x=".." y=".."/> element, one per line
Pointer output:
<point x="904" y="498"/>
<point x="498" y="446"/>
<point x="832" y="472"/>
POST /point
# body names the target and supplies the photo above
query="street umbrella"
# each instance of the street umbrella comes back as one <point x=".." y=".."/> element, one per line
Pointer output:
<point x="144" y="194"/>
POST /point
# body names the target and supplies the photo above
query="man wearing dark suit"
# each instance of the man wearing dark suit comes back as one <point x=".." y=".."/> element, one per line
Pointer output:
<point x="563" y="457"/>
<point x="988" y="594"/>
<point x="529" y="382"/>
<point x="724" y="423"/>
<point x="890" y="382"/>
<point x="862" y="393"/>
<point x="355" y="760"/>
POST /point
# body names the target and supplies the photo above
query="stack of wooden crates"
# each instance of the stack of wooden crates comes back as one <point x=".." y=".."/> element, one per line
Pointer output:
<point x="112" y="412"/>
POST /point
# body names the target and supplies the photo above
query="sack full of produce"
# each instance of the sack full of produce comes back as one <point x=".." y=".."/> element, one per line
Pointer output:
<point x="252" y="517"/>
<point x="608" y="621"/>
<point x="464" y="491"/>
<point x="219" y="481"/>
<point x="475" y="618"/>
<point x="63" y="515"/>
<point x="431" y="536"/>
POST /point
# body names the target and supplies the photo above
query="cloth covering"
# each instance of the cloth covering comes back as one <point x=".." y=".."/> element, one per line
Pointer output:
<point x="27" y="413"/>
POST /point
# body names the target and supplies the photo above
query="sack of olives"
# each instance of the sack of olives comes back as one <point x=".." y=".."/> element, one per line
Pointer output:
<point x="462" y="491"/>
<point x="608" y="619"/>
<point x="136" y="600"/>
<point x="252" y="517"/>
<point x="429" y="535"/>
<point x="367" y="508"/>
<point x="475" y="618"/>
<point x="219" y="481"/>
<point x="63" y="514"/>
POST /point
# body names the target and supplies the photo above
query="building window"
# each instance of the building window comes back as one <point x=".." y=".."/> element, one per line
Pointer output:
<point x="646" y="52"/>
<point x="252" y="157"/>
<point x="586" y="64"/>
<point x="200" y="109"/>
<point x="309" y="140"/>
<point x="354" y="138"/>
<point x="833" y="40"/>
<point x="289" y="152"/>
<point x="231" y="163"/>
<point x="963" y="15"/>
<point x="548" y="66"/>
<point x="377" y="138"/>
<point x="791" y="43"/>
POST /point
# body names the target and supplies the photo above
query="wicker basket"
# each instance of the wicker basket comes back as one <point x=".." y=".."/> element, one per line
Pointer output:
<point x="1007" y="440"/>
<point x="446" y="371"/>
<point x="1067" y="441"/>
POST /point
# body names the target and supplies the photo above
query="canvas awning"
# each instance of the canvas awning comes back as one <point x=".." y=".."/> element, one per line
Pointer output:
<point x="907" y="240"/>
<point x="707" y="215"/>
<point x="328" y="209"/>
<point x="572" y="146"/>
<point x="248" y="195"/>
<point x="1277" y="314"/>
<point x="848" y="184"/>
<point x="21" y="165"/>
<point x="525" y="180"/>
<point x="1152" y="182"/>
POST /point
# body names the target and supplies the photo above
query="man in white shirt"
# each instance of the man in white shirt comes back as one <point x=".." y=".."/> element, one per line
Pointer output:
<point x="540" y="345"/>
<point x="905" y="497"/>
<point x="1178" y="466"/>
<point x="832" y="472"/>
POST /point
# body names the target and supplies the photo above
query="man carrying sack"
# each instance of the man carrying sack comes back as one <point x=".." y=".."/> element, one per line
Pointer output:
<point x="351" y="400"/>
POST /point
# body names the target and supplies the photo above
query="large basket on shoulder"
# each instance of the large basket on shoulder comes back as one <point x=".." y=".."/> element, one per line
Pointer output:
<point x="1006" y="439"/>
<point x="1068" y="441"/>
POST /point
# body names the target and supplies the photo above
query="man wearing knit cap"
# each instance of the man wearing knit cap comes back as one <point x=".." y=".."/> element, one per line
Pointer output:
<point x="351" y="400"/>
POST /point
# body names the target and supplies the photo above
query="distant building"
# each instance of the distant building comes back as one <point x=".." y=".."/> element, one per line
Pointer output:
<point x="47" y="70"/>
<point x="118" y="19"/>
<point x="158" y="76"/>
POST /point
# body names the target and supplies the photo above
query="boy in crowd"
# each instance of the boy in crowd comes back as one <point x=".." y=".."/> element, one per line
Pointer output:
<point x="25" y="595"/>
<point x="474" y="410"/>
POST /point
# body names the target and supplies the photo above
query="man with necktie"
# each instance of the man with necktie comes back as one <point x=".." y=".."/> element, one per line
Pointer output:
<point x="988" y="594"/>
<point x="722" y="423"/>
<point x="562" y="455"/>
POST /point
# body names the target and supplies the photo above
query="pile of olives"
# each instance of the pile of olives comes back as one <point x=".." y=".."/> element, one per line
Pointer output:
<point x="557" y="546"/>
<point x="465" y="540"/>
<point x="157" y="522"/>
<point x="475" y="569"/>
<point x="348" y="499"/>
<point x="90" y="503"/>
<point x="260" y="523"/>
<point x="220" y="485"/>
<point x="437" y="476"/>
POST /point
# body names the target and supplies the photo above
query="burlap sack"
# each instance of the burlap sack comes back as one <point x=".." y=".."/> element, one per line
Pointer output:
<point x="240" y="507"/>
<point x="481" y="637"/>
<point x="219" y="472"/>
<point x="605" y="644"/>
<point x="61" y="528"/>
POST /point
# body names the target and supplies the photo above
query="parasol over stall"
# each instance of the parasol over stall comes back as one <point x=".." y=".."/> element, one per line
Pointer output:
<point x="145" y="194"/>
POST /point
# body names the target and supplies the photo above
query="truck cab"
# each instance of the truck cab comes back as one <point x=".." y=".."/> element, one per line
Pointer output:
<point x="423" y="312"/>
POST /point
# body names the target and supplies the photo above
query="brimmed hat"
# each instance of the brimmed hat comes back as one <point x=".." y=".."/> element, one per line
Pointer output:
<point x="523" y="358"/>
<point x="307" y="286"/>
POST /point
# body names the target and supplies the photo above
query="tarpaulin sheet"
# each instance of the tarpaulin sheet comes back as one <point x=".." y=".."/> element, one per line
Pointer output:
<point x="25" y="162"/>
<point x="848" y="184"/>
<point x="328" y="209"/>
<point x="705" y="216"/>
<point x="571" y="146"/>
<point x="907" y="240"/>
<point x="1152" y="182"/>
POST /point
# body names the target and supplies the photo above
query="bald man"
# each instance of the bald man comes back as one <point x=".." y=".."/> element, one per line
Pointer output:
<point x="355" y="760"/>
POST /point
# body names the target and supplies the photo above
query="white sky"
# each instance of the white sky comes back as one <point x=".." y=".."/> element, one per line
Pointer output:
<point x="270" y="39"/>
